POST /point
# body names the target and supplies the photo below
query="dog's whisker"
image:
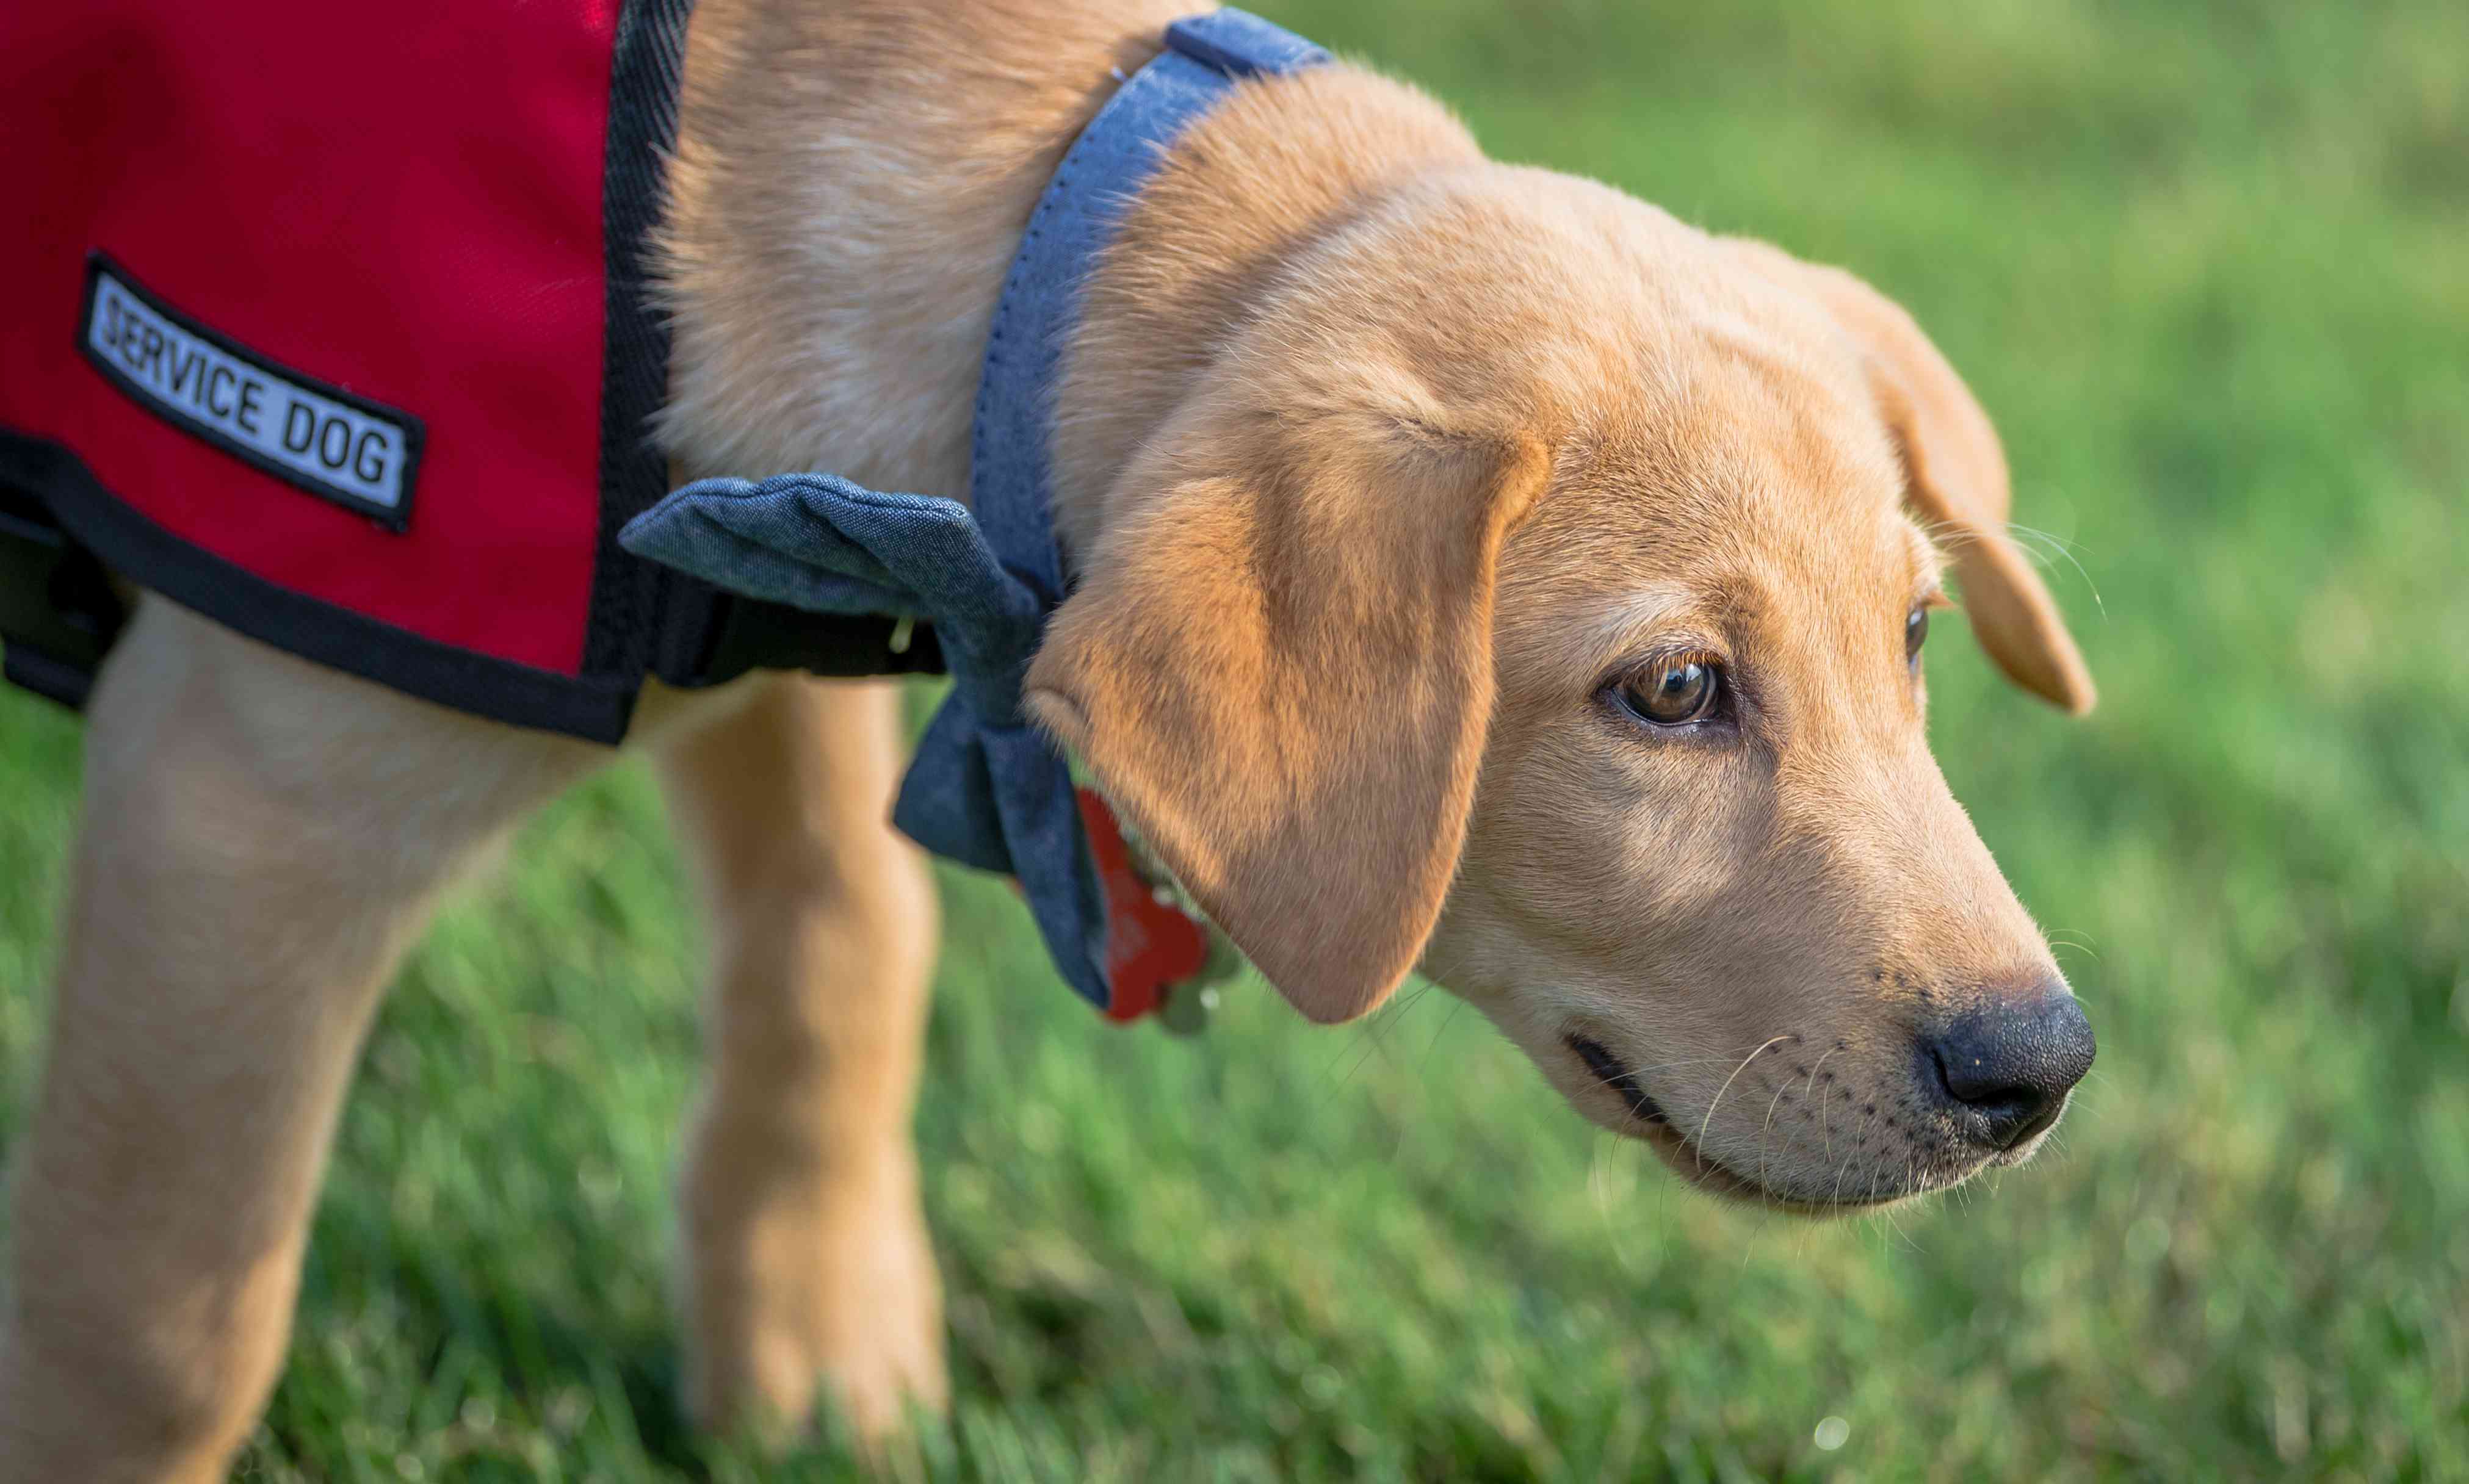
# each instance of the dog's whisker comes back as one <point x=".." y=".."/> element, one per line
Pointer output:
<point x="1838" y="1197"/>
<point x="1603" y="1209"/>
<point x="1835" y="1196"/>
<point x="1768" y="1128"/>
<point x="1708" y="1121"/>
<point x="2064" y="550"/>
<point x="1823" y="1127"/>
<point x="1457" y="1006"/>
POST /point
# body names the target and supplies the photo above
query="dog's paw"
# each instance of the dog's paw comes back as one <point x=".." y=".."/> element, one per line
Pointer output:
<point x="875" y="1341"/>
<point x="823" y="1297"/>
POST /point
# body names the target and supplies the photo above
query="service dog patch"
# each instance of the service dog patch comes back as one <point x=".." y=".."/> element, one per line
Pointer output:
<point x="306" y="432"/>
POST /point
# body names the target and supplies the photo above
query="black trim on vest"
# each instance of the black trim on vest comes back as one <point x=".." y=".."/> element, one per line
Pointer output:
<point x="637" y="608"/>
<point x="145" y="553"/>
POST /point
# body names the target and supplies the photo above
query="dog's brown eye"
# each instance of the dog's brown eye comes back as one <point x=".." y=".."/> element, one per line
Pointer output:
<point x="1915" y="634"/>
<point x="1673" y="693"/>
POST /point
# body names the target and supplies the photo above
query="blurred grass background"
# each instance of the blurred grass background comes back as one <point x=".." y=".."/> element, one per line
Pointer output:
<point x="2208" y="263"/>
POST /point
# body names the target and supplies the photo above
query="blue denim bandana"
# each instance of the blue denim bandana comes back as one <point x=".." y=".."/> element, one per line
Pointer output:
<point x="986" y="788"/>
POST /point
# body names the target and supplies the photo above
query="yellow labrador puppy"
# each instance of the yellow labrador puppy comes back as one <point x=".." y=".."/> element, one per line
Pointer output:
<point x="1478" y="570"/>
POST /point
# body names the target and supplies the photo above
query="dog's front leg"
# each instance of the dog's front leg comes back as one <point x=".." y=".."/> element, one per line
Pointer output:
<point x="807" y="1265"/>
<point x="261" y="838"/>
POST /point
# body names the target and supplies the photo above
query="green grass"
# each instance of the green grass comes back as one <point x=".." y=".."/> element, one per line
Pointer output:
<point x="2209" y="265"/>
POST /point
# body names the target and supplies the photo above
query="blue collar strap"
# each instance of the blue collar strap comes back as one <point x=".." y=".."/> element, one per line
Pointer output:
<point x="986" y="788"/>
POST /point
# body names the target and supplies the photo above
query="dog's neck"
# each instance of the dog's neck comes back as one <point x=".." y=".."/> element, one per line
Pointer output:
<point x="849" y="190"/>
<point x="1247" y="188"/>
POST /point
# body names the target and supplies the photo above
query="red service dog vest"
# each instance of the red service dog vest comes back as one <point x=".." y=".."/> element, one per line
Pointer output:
<point x="330" y="323"/>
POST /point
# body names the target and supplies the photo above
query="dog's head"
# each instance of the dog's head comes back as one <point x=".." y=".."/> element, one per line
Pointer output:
<point x="1533" y="591"/>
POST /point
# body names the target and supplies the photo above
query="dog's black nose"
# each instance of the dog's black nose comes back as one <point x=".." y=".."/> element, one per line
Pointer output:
<point x="2009" y="1067"/>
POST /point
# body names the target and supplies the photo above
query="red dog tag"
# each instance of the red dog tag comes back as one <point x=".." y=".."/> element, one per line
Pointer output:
<point x="1151" y="945"/>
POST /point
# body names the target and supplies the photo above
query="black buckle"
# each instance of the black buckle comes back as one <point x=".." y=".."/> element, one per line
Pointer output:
<point x="59" y="612"/>
<point x="748" y="633"/>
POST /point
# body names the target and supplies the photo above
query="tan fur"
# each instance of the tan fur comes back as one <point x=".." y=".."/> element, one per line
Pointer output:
<point x="1377" y="460"/>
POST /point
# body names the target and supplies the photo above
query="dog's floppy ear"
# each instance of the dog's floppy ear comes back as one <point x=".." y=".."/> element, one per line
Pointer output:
<point x="1955" y="478"/>
<point x="1278" y="667"/>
